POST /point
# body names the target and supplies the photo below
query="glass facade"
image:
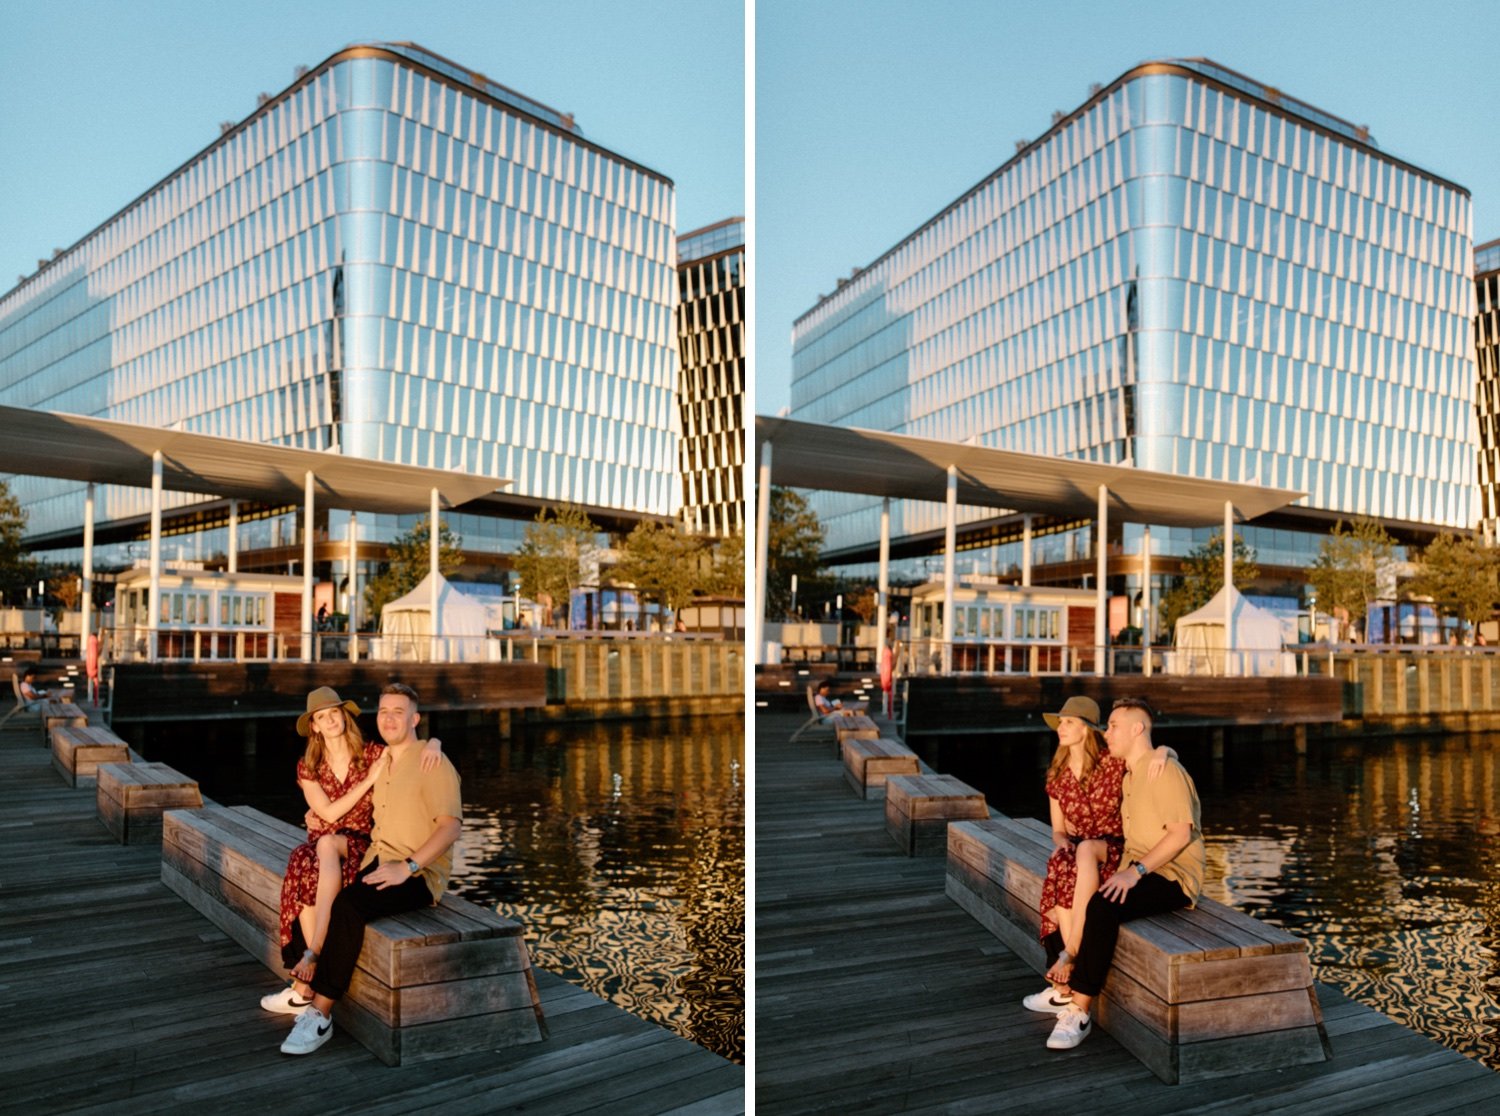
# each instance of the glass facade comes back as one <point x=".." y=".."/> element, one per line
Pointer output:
<point x="711" y="386"/>
<point x="396" y="258"/>
<point x="1192" y="273"/>
<point x="1487" y="397"/>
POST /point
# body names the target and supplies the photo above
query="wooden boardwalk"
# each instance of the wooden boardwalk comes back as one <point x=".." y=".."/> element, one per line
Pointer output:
<point x="875" y="993"/>
<point x="118" y="997"/>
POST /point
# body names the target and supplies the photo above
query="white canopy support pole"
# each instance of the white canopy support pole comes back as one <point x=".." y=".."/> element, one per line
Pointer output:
<point x="762" y="548"/>
<point x="1228" y="582"/>
<point x="352" y="622"/>
<point x="1147" y="611"/>
<point x="432" y="571"/>
<point x="1101" y="600"/>
<point x="1026" y="549"/>
<point x="86" y="605"/>
<point x="307" y="567"/>
<point x="950" y="533"/>
<point x="882" y="599"/>
<point x="234" y="535"/>
<point x="153" y="610"/>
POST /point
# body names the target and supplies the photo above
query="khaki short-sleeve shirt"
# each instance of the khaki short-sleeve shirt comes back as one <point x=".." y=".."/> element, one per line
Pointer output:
<point x="408" y="803"/>
<point x="1149" y="805"/>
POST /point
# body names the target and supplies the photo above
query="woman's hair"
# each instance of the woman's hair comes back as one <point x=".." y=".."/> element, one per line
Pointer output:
<point x="352" y="736"/>
<point x="1093" y="748"/>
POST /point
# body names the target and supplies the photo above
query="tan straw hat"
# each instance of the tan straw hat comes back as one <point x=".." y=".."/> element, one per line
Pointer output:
<point x="1086" y="709"/>
<point x="324" y="697"/>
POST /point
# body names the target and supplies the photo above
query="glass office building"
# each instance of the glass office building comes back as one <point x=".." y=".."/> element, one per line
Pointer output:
<point x="1191" y="272"/>
<point x="1487" y="399"/>
<point x="395" y="258"/>
<point x="711" y="385"/>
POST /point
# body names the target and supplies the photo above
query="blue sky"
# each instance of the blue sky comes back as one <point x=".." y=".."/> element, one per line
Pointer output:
<point x="102" y="98"/>
<point x="873" y="115"/>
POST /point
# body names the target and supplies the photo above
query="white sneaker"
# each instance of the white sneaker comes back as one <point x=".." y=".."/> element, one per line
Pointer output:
<point x="286" y="1002"/>
<point x="1049" y="1000"/>
<point x="311" y="1031"/>
<point x="1073" y="1026"/>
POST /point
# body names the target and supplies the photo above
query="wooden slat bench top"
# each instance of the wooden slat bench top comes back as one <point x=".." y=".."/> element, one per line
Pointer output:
<point x="879" y="748"/>
<point x="132" y="782"/>
<point x="132" y="798"/>
<point x="868" y="763"/>
<point x="1194" y="994"/>
<point x="78" y="750"/>
<point x="440" y="980"/>
<point x="934" y="796"/>
<point x="86" y="734"/>
<point x="854" y="728"/>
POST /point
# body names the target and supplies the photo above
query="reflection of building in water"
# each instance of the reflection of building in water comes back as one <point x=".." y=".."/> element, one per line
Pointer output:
<point x="604" y="879"/>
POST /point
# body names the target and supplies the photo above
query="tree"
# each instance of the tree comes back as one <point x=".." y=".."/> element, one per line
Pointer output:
<point x="1351" y="563"/>
<point x="794" y="545"/>
<point x="1203" y="576"/>
<point x="1460" y="577"/>
<point x="727" y="577"/>
<point x="663" y="562"/>
<point x="558" y="553"/>
<point x="408" y="560"/>
<point x="17" y="570"/>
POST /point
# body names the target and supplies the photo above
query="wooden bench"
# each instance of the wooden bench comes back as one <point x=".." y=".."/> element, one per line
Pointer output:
<point x="918" y="809"/>
<point x="77" y="752"/>
<point x="1194" y="994"/>
<point x="59" y="714"/>
<point x="852" y="727"/>
<point x="450" y="979"/>
<point x="132" y="797"/>
<point x="868" y="763"/>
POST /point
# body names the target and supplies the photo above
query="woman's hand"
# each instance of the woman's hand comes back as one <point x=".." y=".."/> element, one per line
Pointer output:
<point x="432" y="754"/>
<point x="1158" y="762"/>
<point x="1061" y="843"/>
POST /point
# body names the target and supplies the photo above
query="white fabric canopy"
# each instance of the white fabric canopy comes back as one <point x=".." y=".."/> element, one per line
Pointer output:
<point x="1256" y="648"/>
<point x="406" y="623"/>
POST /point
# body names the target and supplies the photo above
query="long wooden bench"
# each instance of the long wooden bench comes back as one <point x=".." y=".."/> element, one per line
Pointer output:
<point x="59" y="714"/>
<point x="1194" y="994"/>
<point x="852" y="727"/>
<point x="78" y="750"/>
<point x="868" y="763"/>
<point x="132" y="797"/>
<point x="449" y="979"/>
<point x="919" y="808"/>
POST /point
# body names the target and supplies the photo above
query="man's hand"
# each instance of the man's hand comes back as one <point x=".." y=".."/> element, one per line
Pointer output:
<point x="1116" y="886"/>
<point x="388" y="875"/>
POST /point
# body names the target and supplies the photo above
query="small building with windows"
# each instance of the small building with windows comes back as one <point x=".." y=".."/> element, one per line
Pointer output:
<point x="209" y="614"/>
<point x="1000" y="628"/>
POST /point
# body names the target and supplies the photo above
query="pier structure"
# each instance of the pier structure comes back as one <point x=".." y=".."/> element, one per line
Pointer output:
<point x="875" y="992"/>
<point x="103" y="451"/>
<point x="809" y="455"/>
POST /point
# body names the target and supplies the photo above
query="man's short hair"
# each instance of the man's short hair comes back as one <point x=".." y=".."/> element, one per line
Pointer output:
<point x="28" y="672"/>
<point x="1137" y="703"/>
<point x="402" y="689"/>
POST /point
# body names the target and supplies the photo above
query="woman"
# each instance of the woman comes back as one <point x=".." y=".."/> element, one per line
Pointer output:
<point x="336" y="774"/>
<point x="1088" y="837"/>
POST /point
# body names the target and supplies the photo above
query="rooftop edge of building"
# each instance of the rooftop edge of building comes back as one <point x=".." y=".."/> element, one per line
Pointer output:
<point x="402" y="53"/>
<point x="1487" y="257"/>
<point x="731" y="235"/>
<point x="1199" y="69"/>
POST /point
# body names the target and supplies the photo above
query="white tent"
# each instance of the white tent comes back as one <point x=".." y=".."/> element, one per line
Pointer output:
<point x="1256" y="649"/>
<point x="406" y="624"/>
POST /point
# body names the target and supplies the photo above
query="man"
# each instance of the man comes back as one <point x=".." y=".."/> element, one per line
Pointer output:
<point x="1160" y="870"/>
<point x="418" y="816"/>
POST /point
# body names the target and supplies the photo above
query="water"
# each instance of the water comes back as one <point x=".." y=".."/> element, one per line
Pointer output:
<point x="632" y="889"/>
<point x="1378" y="852"/>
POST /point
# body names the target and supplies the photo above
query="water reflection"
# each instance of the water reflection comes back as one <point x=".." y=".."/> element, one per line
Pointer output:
<point x="1378" y="852"/>
<point x="620" y="847"/>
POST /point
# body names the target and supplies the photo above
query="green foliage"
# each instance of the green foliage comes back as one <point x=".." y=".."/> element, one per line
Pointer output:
<point x="1203" y="576"/>
<point x="1347" y="573"/>
<point x="408" y="563"/>
<point x="664" y="563"/>
<point x="557" y="553"/>
<point x="1460" y="575"/>
<point x="727" y="576"/>
<point x="17" y="570"/>
<point x="794" y="545"/>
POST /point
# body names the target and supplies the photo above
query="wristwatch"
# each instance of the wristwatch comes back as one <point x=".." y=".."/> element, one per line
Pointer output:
<point x="1138" y="866"/>
<point x="413" y="867"/>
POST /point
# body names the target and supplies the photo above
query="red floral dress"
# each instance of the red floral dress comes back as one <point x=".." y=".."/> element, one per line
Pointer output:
<point x="1092" y="810"/>
<point x="299" y="888"/>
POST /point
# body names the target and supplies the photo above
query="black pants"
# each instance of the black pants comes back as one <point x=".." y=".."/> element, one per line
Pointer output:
<point x="354" y="906"/>
<point x="1154" y="894"/>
